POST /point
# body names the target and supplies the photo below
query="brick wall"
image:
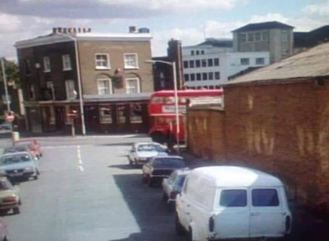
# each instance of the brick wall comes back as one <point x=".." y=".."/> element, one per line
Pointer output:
<point x="279" y="128"/>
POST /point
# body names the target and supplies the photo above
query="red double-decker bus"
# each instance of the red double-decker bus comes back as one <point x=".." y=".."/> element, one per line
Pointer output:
<point x="161" y="110"/>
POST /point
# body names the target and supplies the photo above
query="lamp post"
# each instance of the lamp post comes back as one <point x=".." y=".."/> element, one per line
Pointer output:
<point x="83" y="126"/>
<point x="173" y="64"/>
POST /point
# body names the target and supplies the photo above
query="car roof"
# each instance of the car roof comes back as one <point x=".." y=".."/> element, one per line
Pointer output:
<point x="235" y="176"/>
<point x="16" y="153"/>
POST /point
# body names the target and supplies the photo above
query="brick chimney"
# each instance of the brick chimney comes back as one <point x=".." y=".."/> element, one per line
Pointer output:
<point x="132" y="29"/>
<point x="175" y="54"/>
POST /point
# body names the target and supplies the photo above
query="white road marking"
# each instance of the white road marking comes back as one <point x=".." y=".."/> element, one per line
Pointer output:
<point x="80" y="159"/>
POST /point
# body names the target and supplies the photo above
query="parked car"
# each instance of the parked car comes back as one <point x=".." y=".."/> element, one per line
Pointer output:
<point x="3" y="231"/>
<point x="5" y="126"/>
<point x="173" y="184"/>
<point x="161" y="167"/>
<point x="19" y="165"/>
<point x="32" y="144"/>
<point x="19" y="148"/>
<point x="141" y="153"/>
<point x="228" y="202"/>
<point x="9" y="196"/>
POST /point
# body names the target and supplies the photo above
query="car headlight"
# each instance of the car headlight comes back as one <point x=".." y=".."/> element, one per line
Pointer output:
<point x="29" y="169"/>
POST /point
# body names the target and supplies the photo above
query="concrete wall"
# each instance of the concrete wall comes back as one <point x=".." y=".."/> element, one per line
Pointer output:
<point x="280" y="128"/>
<point x="116" y="51"/>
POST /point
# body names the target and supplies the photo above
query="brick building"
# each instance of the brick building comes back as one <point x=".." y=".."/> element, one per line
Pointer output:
<point x="274" y="119"/>
<point x="115" y="82"/>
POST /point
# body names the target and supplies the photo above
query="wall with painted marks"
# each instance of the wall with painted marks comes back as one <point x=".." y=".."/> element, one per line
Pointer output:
<point x="280" y="128"/>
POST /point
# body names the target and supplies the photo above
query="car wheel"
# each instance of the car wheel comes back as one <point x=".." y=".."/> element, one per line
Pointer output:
<point x="6" y="239"/>
<point x="16" y="210"/>
<point x="38" y="172"/>
<point x="36" y="177"/>
<point x="178" y="226"/>
<point x="190" y="235"/>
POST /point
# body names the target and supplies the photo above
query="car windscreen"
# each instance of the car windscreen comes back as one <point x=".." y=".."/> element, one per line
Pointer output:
<point x="150" y="147"/>
<point x="5" y="185"/>
<point x="169" y="163"/>
<point x="12" y="159"/>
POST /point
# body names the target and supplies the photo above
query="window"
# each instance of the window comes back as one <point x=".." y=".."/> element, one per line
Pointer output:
<point x="217" y="75"/>
<point x="131" y="61"/>
<point x="70" y="90"/>
<point x="136" y="113"/>
<point x="46" y="64"/>
<point x="31" y="92"/>
<point x="204" y="76"/>
<point x="102" y="61"/>
<point x="191" y="63"/>
<point x="251" y="37"/>
<point x="105" y="114"/>
<point x="265" y="198"/>
<point x="260" y="61"/>
<point x="216" y="62"/>
<point x="104" y="86"/>
<point x="211" y="76"/>
<point x="204" y="63"/>
<point x="186" y="77"/>
<point x="132" y="85"/>
<point x="27" y="64"/>
<point x="192" y="52"/>
<point x="265" y="35"/>
<point x="198" y="76"/>
<point x="197" y="52"/>
<point x="202" y="51"/>
<point x="210" y="62"/>
<point x="50" y="87"/>
<point x="243" y="37"/>
<point x="66" y="62"/>
<point x="233" y="198"/>
<point x="197" y="63"/>
<point x="121" y="115"/>
<point x="192" y="77"/>
<point x="258" y="36"/>
<point x="244" y="61"/>
<point x="185" y="64"/>
<point x="284" y="36"/>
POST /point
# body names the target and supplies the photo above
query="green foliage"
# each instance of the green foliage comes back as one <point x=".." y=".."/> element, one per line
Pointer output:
<point x="12" y="72"/>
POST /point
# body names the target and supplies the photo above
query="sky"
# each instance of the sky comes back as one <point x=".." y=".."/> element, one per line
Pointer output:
<point x="190" y="21"/>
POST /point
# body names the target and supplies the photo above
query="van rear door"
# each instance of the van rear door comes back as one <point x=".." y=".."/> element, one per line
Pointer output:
<point x="232" y="220"/>
<point x="267" y="215"/>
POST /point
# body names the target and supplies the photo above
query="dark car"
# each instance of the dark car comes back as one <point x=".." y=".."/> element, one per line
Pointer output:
<point x="161" y="167"/>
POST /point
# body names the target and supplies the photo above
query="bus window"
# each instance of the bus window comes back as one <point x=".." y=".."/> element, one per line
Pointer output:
<point x="158" y="100"/>
<point x="170" y="100"/>
<point x="182" y="100"/>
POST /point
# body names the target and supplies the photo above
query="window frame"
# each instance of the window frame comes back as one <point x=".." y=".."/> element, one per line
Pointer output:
<point x="125" y="61"/>
<point x="138" y="84"/>
<point x="66" y="68"/>
<point x="110" y="90"/>
<point x="242" y="59"/>
<point x="67" y="90"/>
<point x="260" y="58"/>
<point x="46" y="64"/>
<point x="108" y="61"/>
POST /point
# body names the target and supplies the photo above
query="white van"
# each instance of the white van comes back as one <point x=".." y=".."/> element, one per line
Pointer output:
<point x="226" y="202"/>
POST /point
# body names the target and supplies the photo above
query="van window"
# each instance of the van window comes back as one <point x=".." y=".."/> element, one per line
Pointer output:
<point x="265" y="198"/>
<point x="233" y="198"/>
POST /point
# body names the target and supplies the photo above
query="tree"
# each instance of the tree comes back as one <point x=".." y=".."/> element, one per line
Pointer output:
<point x="12" y="73"/>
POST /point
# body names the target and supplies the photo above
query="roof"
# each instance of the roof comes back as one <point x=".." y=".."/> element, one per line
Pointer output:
<point x="234" y="176"/>
<point x="221" y="43"/>
<point x="118" y="97"/>
<point x="311" y="38"/>
<point x="264" y="25"/>
<point x="309" y="64"/>
<point x="60" y="38"/>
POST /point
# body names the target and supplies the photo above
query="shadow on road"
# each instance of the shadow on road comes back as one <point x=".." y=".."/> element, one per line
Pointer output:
<point x="124" y="167"/>
<point x="151" y="213"/>
<point x="117" y="144"/>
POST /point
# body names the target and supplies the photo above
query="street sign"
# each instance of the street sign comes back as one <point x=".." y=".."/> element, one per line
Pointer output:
<point x="9" y="116"/>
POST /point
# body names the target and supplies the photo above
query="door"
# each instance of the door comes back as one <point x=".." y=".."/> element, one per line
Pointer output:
<point x="232" y="220"/>
<point x="184" y="206"/>
<point x="266" y="213"/>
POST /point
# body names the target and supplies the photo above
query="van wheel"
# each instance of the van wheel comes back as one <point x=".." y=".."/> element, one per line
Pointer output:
<point x="190" y="235"/>
<point x="16" y="210"/>
<point x="178" y="226"/>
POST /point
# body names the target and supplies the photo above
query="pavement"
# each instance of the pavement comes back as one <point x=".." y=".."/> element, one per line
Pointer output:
<point x="87" y="191"/>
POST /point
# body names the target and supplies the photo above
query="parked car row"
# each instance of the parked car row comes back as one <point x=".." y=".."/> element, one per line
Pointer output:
<point x="219" y="202"/>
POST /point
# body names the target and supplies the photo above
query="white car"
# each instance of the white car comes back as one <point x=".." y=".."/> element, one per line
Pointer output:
<point x="228" y="202"/>
<point x="141" y="153"/>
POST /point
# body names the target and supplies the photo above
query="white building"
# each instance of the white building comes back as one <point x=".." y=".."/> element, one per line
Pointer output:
<point x="212" y="63"/>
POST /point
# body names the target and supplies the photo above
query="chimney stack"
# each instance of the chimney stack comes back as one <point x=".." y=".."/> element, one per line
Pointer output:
<point x="132" y="29"/>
